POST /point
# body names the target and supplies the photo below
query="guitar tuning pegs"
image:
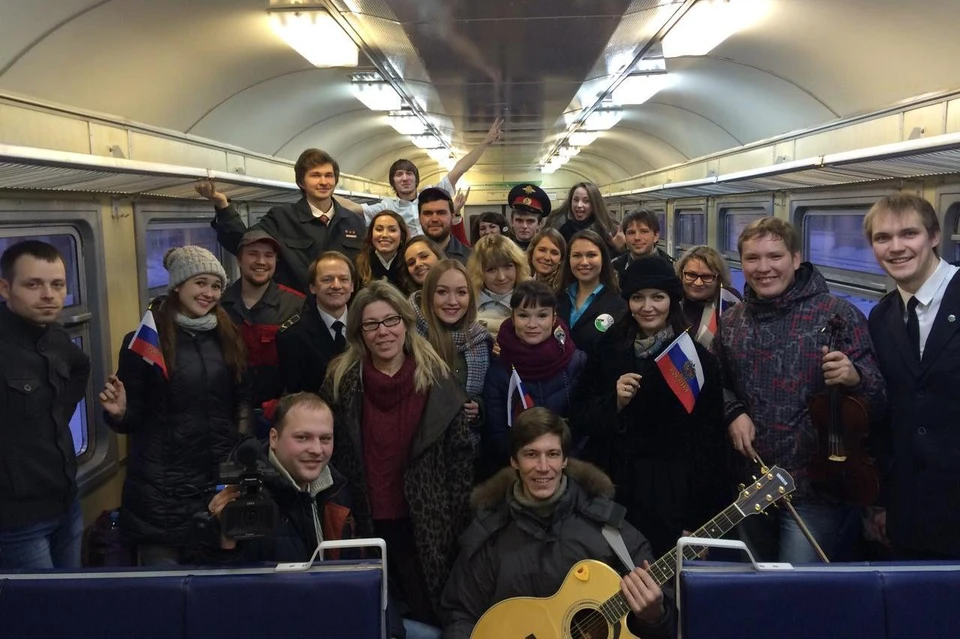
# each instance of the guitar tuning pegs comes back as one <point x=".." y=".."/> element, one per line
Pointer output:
<point x="741" y="486"/>
<point x="754" y="477"/>
<point x="763" y="470"/>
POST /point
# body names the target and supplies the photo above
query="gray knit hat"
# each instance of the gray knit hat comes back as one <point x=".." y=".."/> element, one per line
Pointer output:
<point x="184" y="262"/>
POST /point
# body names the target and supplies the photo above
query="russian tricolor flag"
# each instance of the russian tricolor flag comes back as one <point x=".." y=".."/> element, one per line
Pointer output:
<point x="525" y="400"/>
<point x="146" y="343"/>
<point x="708" y="328"/>
<point x="681" y="368"/>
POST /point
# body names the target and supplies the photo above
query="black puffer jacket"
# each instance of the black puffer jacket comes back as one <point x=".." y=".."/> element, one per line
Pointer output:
<point x="180" y="430"/>
<point x="508" y="551"/>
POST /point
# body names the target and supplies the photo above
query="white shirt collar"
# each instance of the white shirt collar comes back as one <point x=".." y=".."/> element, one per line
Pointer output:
<point x="317" y="212"/>
<point x="928" y="290"/>
<point x="329" y="319"/>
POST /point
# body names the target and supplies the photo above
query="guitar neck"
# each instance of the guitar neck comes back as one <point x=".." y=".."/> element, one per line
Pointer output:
<point x="616" y="608"/>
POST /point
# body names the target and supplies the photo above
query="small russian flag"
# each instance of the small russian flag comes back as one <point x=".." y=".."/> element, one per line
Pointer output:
<point x="680" y="366"/>
<point x="710" y="321"/>
<point x="146" y="343"/>
<point x="525" y="400"/>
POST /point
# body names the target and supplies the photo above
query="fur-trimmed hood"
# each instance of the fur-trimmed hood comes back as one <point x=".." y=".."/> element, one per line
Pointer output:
<point x="493" y="493"/>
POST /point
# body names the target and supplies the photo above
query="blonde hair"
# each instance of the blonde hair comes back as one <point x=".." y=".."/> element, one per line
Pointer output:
<point x="709" y="257"/>
<point x="430" y="368"/>
<point x="492" y="250"/>
<point x="557" y="239"/>
<point x="438" y="333"/>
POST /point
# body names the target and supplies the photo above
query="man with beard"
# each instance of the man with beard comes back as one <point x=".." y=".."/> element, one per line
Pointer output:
<point x="304" y="230"/>
<point x="436" y="216"/>
<point x="405" y="179"/>
<point x="259" y="306"/>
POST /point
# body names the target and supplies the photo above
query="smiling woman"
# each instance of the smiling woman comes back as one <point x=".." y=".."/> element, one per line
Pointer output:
<point x="184" y="419"/>
<point x="401" y="433"/>
<point x="379" y="258"/>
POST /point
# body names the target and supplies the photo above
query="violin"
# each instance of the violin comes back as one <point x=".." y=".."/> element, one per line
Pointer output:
<point x="842" y="468"/>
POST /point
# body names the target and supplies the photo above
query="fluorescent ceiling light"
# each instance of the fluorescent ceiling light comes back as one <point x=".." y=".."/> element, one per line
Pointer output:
<point x="568" y="151"/>
<point x="314" y="34"/>
<point x="602" y="119"/>
<point x="651" y="65"/>
<point x="426" y="141"/>
<point x="637" y="89"/>
<point x="582" y="138"/>
<point x="439" y="155"/>
<point x="548" y="168"/>
<point x="376" y="96"/>
<point x="406" y="123"/>
<point x="708" y="23"/>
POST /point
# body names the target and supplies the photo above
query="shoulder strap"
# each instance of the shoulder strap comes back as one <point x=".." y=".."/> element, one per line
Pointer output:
<point x="615" y="539"/>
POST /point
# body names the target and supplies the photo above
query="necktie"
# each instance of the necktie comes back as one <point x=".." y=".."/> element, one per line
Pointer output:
<point x="913" y="326"/>
<point x="324" y="219"/>
<point x="339" y="340"/>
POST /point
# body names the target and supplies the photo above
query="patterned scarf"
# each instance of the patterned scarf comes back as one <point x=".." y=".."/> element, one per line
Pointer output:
<point x="471" y="342"/>
<point x="646" y="347"/>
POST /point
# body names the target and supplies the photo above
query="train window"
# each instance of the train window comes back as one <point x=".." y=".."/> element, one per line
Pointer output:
<point x="691" y="228"/>
<point x="836" y="240"/>
<point x="950" y="246"/>
<point x="165" y="235"/>
<point x="66" y="243"/>
<point x="662" y="219"/>
<point x="733" y="224"/>
<point x="79" y="422"/>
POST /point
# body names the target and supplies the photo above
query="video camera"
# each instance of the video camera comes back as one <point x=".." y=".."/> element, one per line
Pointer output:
<point x="253" y="514"/>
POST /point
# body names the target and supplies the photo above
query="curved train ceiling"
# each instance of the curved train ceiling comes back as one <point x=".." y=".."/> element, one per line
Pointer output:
<point x="215" y="69"/>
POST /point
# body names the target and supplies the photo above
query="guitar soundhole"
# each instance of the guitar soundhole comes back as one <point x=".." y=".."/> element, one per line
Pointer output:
<point x="588" y="624"/>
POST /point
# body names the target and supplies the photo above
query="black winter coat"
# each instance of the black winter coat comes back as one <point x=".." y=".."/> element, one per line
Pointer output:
<point x="43" y="375"/>
<point x="510" y="552"/>
<point x="668" y="465"/>
<point x="585" y="332"/>
<point x="302" y="237"/>
<point x="180" y="430"/>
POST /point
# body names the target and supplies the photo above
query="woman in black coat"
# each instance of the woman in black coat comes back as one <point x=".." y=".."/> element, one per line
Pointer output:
<point x="589" y="300"/>
<point x="182" y="419"/>
<point x="380" y="257"/>
<point x="666" y="458"/>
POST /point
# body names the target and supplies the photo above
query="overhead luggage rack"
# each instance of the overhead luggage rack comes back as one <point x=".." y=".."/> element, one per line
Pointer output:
<point x="27" y="168"/>
<point x="936" y="155"/>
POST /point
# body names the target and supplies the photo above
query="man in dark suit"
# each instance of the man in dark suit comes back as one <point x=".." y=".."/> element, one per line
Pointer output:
<point x="915" y="332"/>
<point x="308" y="342"/>
<point x="304" y="230"/>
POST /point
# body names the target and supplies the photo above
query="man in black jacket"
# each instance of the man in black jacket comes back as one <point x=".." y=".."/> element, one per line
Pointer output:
<point x="916" y="333"/>
<point x="308" y="341"/>
<point x="44" y="378"/>
<point x="304" y="230"/>
<point x="642" y="230"/>
<point x="535" y="520"/>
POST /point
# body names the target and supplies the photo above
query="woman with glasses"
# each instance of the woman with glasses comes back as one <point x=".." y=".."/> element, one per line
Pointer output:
<point x="403" y="443"/>
<point x="707" y="291"/>
<point x="665" y="457"/>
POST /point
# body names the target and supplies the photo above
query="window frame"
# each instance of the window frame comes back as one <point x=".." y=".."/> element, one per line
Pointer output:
<point x="948" y="213"/>
<point x="89" y="320"/>
<point x="727" y="207"/>
<point x="682" y="208"/>
<point x="148" y="213"/>
<point x="869" y="285"/>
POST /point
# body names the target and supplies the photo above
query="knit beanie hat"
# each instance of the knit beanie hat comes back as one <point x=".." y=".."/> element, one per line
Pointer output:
<point x="184" y="262"/>
<point x="650" y="272"/>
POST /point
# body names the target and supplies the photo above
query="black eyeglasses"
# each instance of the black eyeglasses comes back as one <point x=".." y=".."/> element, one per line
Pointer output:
<point x="371" y="325"/>
<point x="690" y="277"/>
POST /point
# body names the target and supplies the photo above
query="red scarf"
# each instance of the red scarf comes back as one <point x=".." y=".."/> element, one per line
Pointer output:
<point x="392" y="410"/>
<point x="536" y="363"/>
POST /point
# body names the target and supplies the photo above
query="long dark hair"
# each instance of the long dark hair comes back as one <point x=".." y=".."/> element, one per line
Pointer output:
<point x="364" y="270"/>
<point x="231" y="343"/>
<point x="608" y="276"/>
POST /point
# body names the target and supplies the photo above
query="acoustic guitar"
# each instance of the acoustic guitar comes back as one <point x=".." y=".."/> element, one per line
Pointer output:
<point x="589" y="604"/>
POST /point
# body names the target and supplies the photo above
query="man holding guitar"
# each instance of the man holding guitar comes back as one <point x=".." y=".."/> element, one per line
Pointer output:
<point x="534" y="522"/>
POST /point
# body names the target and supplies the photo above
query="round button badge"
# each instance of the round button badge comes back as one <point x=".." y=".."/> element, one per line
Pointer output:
<point x="603" y="322"/>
